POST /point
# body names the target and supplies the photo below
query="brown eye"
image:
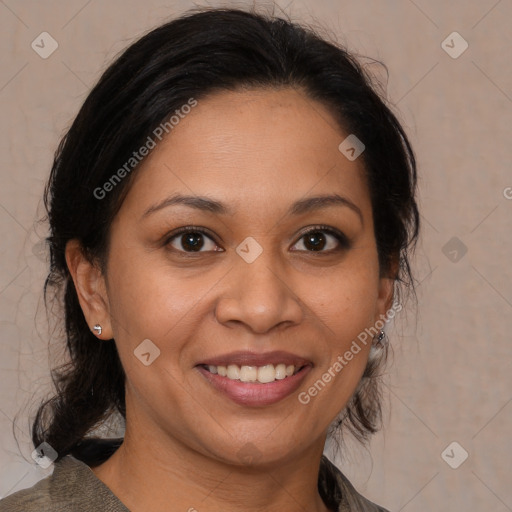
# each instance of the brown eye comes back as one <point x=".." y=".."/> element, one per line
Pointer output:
<point x="323" y="239"/>
<point x="191" y="239"/>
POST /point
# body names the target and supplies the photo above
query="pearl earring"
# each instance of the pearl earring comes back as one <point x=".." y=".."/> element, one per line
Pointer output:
<point x="380" y="340"/>
<point x="379" y="347"/>
<point x="97" y="329"/>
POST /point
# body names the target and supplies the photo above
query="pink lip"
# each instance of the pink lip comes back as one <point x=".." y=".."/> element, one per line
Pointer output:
<point x="255" y="394"/>
<point x="247" y="358"/>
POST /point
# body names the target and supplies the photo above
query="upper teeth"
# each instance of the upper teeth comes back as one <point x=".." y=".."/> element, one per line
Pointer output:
<point x="263" y="374"/>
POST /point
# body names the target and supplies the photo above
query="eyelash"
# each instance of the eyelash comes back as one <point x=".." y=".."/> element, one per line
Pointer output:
<point x="344" y="242"/>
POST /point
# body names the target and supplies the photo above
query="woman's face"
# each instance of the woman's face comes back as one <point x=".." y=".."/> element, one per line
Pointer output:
<point x="247" y="285"/>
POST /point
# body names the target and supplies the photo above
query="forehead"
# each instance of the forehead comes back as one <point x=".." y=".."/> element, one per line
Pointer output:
<point x="251" y="149"/>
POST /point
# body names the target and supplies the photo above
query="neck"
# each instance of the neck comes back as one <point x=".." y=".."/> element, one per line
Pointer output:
<point x="146" y="478"/>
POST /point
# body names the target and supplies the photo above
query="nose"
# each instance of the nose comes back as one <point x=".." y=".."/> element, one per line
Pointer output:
<point x="259" y="295"/>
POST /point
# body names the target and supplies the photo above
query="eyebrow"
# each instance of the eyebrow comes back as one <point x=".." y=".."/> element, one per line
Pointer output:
<point x="210" y="205"/>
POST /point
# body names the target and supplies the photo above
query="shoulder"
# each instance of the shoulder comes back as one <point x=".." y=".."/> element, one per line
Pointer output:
<point x="71" y="486"/>
<point x="347" y="499"/>
<point x="45" y="495"/>
<point x="32" y="499"/>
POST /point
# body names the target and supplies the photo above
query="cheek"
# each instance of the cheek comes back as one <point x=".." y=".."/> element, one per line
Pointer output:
<point x="346" y="350"/>
<point x="347" y="300"/>
<point x="345" y="308"/>
<point x="150" y="302"/>
<point x="147" y="300"/>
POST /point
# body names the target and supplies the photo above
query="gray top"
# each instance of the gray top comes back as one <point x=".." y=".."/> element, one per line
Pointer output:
<point x="74" y="487"/>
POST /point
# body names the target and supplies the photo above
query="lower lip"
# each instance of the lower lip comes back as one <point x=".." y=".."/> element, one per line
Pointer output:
<point x="255" y="394"/>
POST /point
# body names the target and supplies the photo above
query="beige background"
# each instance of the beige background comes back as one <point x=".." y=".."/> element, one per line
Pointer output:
<point x="451" y="378"/>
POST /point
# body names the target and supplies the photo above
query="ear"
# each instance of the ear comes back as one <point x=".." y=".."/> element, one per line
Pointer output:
<point x="387" y="289"/>
<point x="385" y="296"/>
<point x="90" y="287"/>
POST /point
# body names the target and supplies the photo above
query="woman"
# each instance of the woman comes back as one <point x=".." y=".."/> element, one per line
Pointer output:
<point x="231" y="214"/>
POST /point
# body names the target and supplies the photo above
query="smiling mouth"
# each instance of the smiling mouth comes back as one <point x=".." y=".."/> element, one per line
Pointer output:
<point x="249" y="374"/>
